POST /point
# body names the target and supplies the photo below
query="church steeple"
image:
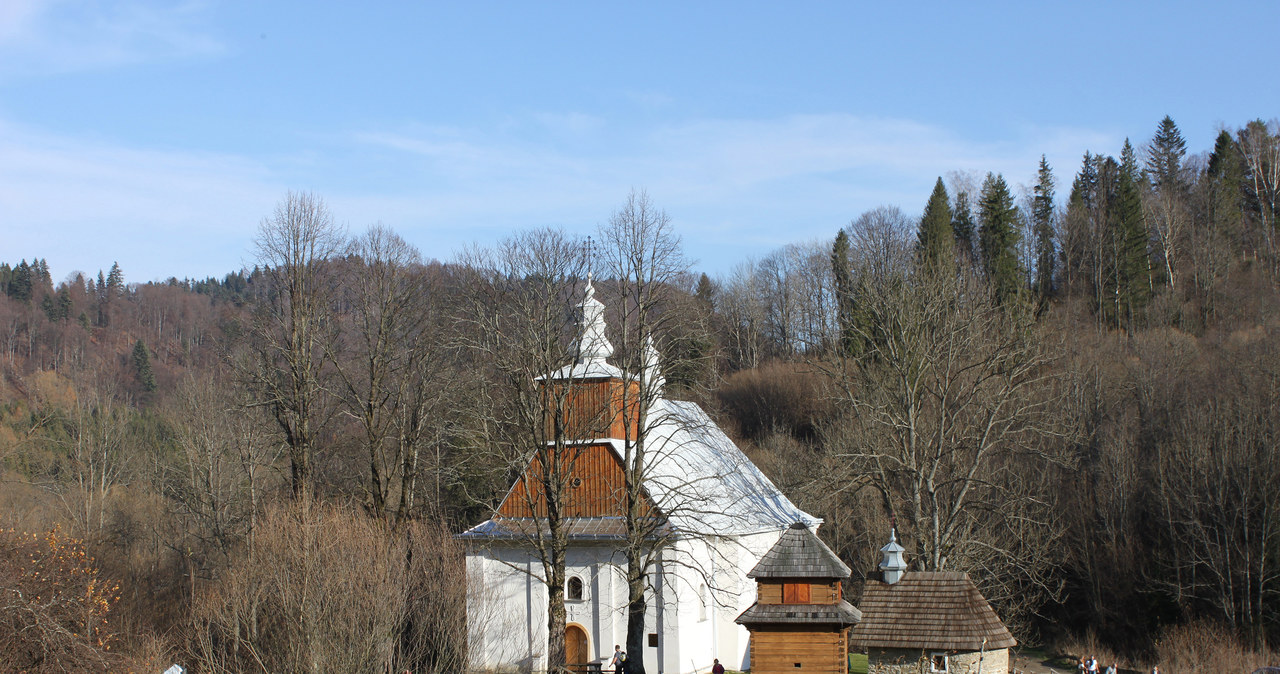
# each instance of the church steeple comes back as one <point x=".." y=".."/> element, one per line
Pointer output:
<point x="591" y="345"/>
<point x="591" y="349"/>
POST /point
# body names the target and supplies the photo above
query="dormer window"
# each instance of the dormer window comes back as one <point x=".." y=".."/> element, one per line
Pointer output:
<point x="573" y="589"/>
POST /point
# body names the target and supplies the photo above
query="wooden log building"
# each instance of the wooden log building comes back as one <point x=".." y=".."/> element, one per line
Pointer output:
<point x="800" y="621"/>
<point x="928" y="622"/>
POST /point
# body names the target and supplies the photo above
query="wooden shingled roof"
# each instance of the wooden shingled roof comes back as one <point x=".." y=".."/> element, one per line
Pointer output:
<point x="931" y="610"/>
<point x="799" y="554"/>
<point x="840" y="613"/>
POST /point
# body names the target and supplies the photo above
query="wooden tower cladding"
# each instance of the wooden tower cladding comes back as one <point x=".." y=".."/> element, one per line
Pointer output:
<point x="589" y="409"/>
<point x="800" y="621"/>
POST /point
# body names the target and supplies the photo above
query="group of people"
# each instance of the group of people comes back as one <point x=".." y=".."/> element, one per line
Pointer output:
<point x="1089" y="665"/>
<point x="619" y="662"/>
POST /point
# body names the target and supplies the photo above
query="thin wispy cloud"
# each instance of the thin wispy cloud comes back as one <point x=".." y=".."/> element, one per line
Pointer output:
<point x="719" y="159"/>
<point x="45" y="37"/>
<point x="735" y="188"/>
<point x="729" y="183"/>
<point x="159" y="213"/>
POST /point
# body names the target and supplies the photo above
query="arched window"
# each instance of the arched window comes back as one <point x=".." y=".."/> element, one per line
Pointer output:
<point x="702" y="602"/>
<point x="573" y="589"/>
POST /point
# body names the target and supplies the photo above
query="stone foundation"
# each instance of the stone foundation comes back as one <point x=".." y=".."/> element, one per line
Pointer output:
<point x="911" y="661"/>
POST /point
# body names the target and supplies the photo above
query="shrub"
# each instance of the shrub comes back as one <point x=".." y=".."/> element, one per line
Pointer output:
<point x="53" y="604"/>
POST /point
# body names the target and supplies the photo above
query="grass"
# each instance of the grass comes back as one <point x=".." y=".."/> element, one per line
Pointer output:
<point x="857" y="663"/>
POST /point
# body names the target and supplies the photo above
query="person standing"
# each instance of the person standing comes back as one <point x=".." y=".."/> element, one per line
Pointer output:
<point x="717" y="668"/>
<point x="619" y="660"/>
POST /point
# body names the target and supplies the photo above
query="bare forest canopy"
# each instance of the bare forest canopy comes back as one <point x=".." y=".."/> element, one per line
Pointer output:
<point x="1070" y="391"/>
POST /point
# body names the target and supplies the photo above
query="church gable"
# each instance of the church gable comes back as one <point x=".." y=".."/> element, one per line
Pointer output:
<point x="594" y="486"/>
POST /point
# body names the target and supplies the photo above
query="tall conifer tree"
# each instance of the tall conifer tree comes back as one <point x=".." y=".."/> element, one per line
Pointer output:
<point x="846" y="307"/>
<point x="998" y="237"/>
<point x="1133" y="260"/>
<point x="935" y="242"/>
<point x="1164" y="157"/>
<point x="142" y="366"/>
<point x="1225" y="175"/>
<point x="962" y="226"/>
<point x="1042" y="215"/>
<point x="20" y="283"/>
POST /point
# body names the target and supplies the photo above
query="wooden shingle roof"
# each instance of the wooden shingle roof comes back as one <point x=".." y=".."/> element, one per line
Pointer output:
<point x="929" y="610"/>
<point x="841" y="613"/>
<point x="799" y="554"/>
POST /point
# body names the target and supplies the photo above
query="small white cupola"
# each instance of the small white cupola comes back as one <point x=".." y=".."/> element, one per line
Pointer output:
<point x="591" y="349"/>
<point x="892" y="563"/>
<point x="592" y="346"/>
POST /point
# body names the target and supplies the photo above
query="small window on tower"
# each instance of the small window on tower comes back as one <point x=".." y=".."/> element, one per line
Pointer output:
<point x="653" y="640"/>
<point x="573" y="589"/>
<point x="795" y="593"/>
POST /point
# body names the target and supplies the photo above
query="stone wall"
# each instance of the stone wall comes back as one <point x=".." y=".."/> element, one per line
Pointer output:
<point x="911" y="661"/>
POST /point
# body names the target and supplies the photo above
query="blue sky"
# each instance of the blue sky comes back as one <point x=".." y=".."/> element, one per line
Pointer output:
<point x="159" y="134"/>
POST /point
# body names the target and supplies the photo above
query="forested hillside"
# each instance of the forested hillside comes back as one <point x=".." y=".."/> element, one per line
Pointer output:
<point x="1070" y="390"/>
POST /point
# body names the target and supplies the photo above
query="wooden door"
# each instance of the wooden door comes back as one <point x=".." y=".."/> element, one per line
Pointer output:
<point x="575" y="646"/>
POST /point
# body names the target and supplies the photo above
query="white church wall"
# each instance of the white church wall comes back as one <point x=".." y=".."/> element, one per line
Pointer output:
<point x="503" y="630"/>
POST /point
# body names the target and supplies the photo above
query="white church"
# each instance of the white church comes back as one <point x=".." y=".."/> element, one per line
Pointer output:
<point x="724" y="514"/>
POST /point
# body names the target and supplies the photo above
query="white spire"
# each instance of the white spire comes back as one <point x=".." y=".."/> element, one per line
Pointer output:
<point x="893" y="565"/>
<point x="652" y="373"/>
<point x="591" y="345"/>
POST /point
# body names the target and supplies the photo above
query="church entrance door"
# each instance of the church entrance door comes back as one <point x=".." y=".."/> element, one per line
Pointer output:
<point x="575" y="647"/>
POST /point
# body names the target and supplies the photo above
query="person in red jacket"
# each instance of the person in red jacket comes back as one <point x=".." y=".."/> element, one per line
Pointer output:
<point x="717" y="668"/>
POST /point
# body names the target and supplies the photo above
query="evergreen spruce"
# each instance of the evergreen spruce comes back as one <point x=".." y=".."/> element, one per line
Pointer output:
<point x="1085" y="185"/>
<point x="1042" y="216"/>
<point x="935" y="241"/>
<point x="842" y="272"/>
<point x="1133" y="260"/>
<point x="42" y="278"/>
<point x="65" y="304"/>
<point x="998" y="238"/>
<point x="706" y="290"/>
<point x="20" y="283"/>
<point x="115" y="281"/>
<point x="104" y="301"/>
<point x="1164" y="157"/>
<point x="962" y="227"/>
<point x="142" y="366"/>
<point x="1225" y="176"/>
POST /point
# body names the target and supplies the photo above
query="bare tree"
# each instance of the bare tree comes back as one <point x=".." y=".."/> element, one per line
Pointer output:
<point x="741" y="304"/>
<point x="388" y="365"/>
<point x="952" y="394"/>
<point x="97" y="458"/>
<point x="1259" y="142"/>
<point x="291" y="327"/>
<point x="218" y="484"/>
<point x="517" y="319"/>
<point x="642" y="253"/>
